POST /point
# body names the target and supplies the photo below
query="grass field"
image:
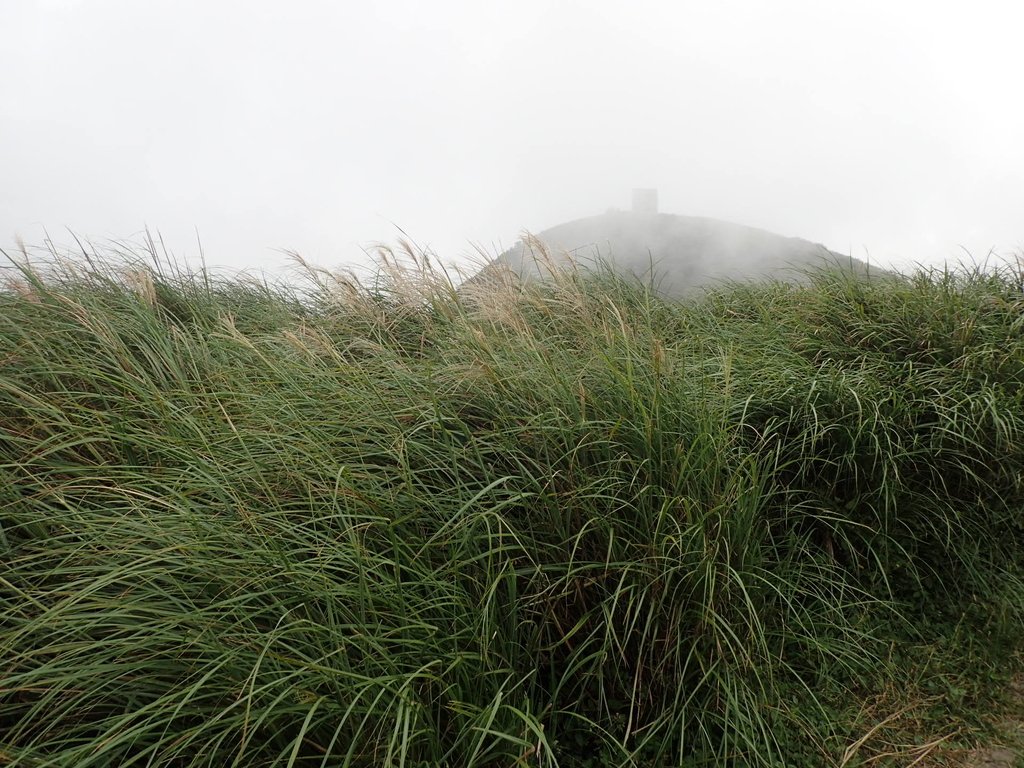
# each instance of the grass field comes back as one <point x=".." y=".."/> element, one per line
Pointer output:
<point x="571" y="524"/>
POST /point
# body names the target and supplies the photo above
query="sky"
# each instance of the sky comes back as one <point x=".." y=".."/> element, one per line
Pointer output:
<point x="885" y="130"/>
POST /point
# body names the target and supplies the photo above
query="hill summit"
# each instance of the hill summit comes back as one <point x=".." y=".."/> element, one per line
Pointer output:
<point x="675" y="253"/>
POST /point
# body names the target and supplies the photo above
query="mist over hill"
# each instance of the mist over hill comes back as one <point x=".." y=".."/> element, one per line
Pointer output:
<point x="677" y="254"/>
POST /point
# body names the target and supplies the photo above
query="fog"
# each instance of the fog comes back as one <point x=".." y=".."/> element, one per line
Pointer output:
<point x="886" y="131"/>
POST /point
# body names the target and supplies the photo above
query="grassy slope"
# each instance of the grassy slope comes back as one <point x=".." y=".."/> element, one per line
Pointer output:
<point x="572" y="526"/>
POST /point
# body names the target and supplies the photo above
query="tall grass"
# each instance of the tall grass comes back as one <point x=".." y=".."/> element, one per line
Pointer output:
<point x="566" y="524"/>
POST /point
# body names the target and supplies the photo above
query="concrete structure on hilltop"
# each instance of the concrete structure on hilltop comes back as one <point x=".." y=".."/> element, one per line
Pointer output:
<point x="645" y="201"/>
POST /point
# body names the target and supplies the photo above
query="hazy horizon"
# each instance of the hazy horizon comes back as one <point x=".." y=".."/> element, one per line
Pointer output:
<point x="887" y="132"/>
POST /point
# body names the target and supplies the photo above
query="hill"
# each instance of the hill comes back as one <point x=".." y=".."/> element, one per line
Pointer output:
<point x="680" y="253"/>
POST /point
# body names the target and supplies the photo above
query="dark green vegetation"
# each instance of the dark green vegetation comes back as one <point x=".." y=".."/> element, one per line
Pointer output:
<point x="572" y="525"/>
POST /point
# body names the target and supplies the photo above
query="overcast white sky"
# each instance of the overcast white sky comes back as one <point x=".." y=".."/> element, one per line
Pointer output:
<point x="882" y="128"/>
